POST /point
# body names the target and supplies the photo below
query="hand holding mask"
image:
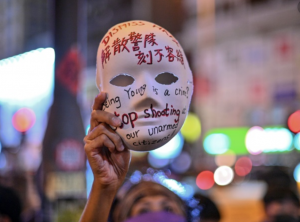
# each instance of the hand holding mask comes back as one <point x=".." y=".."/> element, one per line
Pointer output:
<point x="146" y="75"/>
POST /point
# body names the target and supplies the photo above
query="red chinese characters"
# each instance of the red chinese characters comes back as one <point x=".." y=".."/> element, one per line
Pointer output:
<point x="135" y="39"/>
<point x="119" y="45"/>
<point x="180" y="56"/>
<point x="135" y="42"/>
<point x="158" y="52"/>
<point x="105" y="55"/>
<point x="150" y="40"/>
<point x="142" y="58"/>
<point x="170" y="55"/>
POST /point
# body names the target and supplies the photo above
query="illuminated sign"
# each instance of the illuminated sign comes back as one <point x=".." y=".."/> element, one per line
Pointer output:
<point x="219" y="141"/>
<point x="255" y="140"/>
<point x="26" y="81"/>
<point x="271" y="139"/>
<point x="27" y="78"/>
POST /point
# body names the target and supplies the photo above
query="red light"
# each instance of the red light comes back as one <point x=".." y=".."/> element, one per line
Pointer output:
<point x="205" y="180"/>
<point x="243" y="166"/>
<point x="23" y="119"/>
<point x="294" y="122"/>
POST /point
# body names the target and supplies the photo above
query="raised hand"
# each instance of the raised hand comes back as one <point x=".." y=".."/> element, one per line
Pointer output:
<point x="108" y="157"/>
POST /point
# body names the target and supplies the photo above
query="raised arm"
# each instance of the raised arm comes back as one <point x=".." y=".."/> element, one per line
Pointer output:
<point x="109" y="160"/>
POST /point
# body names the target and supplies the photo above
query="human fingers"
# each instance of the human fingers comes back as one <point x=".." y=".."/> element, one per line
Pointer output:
<point x="99" y="100"/>
<point x="99" y="116"/>
<point x="94" y="147"/>
<point x="97" y="105"/>
<point x="110" y="133"/>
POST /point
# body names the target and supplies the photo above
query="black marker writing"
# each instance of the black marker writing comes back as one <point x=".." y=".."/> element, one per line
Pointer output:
<point x="111" y="101"/>
<point x="149" y="142"/>
<point x="182" y="92"/>
<point x="132" y="135"/>
<point x="132" y="93"/>
<point x="161" y="128"/>
<point x="155" y="90"/>
<point x="161" y="113"/>
<point x="167" y="93"/>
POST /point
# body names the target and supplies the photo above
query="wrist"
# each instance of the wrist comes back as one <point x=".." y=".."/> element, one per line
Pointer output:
<point x="95" y="209"/>
<point x="107" y="188"/>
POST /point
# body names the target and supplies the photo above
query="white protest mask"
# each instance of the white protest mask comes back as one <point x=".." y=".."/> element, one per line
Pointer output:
<point x="146" y="75"/>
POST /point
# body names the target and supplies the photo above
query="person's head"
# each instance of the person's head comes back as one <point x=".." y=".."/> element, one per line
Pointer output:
<point x="10" y="205"/>
<point x="146" y="197"/>
<point x="281" y="203"/>
<point x="146" y="75"/>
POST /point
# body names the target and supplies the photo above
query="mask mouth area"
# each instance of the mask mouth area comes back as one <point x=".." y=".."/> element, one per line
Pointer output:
<point x="122" y="80"/>
<point x="166" y="78"/>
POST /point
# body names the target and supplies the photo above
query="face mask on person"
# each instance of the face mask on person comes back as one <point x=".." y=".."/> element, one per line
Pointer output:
<point x="146" y="75"/>
<point x="157" y="217"/>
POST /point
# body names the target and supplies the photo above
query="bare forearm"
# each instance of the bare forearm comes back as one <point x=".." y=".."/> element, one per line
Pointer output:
<point x="99" y="204"/>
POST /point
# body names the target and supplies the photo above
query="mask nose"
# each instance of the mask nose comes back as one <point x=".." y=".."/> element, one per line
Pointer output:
<point x="150" y="93"/>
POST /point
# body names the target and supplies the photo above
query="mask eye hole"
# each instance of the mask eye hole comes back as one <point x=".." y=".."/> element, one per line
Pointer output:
<point x="166" y="78"/>
<point x="122" y="80"/>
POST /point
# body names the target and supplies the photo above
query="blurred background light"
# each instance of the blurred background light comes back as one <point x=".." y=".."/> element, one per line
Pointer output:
<point x="223" y="175"/>
<point x="254" y="140"/>
<point x="232" y="139"/>
<point x="28" y="77"/>
<point x="189" y="192"/>
<point x="205" y="180"/>
<point x="216" y="143"/>
<point x="170" y="150"/>
<point x="181" y="163"/>
<point x="294" y="122"/>
<point x="277" y="140"/>
<point x="190" y="180"/>
<point x="297" y="173"/>
<point x="191" y="128"/>
<point x="243" y="166"/>
<point x="89" y="178"/>
<point x="3" y="161"/>
<point x="87" y="129"/>
<point x="185" y="191"/>
<point x="174" y="185"/>
<point x="23" y="119"/>
<point x="270" y="139"/>
<point x="136" y="177"/>
<point x="157" y="163"/>
<point x="226" y="159"/>
<point x="297" y="141"/>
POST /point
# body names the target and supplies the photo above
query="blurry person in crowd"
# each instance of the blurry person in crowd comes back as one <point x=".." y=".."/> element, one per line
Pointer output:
<point x="209" y="211"/>
<point x="281" y="204"/>
<point x="10" y="205"/>
<point x="109" y="161"/>
<point x="278" y="177"/>
<point x="146" y="197"/>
